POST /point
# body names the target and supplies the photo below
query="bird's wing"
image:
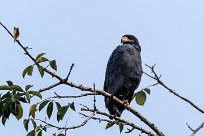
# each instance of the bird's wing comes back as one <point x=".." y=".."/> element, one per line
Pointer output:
<point x="125" y="62"/>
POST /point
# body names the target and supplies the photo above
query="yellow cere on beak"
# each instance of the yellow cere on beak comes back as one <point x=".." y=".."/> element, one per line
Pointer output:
<point x="125" y="39"/>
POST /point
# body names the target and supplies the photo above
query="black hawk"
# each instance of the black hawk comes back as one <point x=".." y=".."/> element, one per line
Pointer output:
<point x="123" y="73"/>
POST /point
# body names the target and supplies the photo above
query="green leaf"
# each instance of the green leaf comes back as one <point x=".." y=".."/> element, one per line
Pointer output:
<point x="38" y="128"/>
<point x="72" y="106"/>
<point x="19" y="111"/>
<point x="36" y="93"/>
<point x="42" y="59"/>
<point x="61" y="112"/>
<point x="58" y="105"/>
<point x="41" y="71"/>
<point x="140" y="97"/>
<point x="28" y="87"/>
<point x="39" y="133"/>
<point x="39" y="56"/>
<point x="32" y="110"/>
<point x="28" y="70"/>
<point x="10" y="83"/>
<point x="3" y="120"/>
<point x="15" y="98"/>
<point x="44" y="128"/>
<point x="60" y="135"/>
<point x="1" y="106"/>
<point x="27" y="96"/>
<point x="34" y="123"/>
<point x="110" y="124"/>
<point x="6" y="110"/>
<point x="31" y="133"/>
<point x="6" y="97"/>
<point x="13" y="87"/>
<point x="22" y="99"/>
<point x="147" y="90"/>
<point x="13" y="108"/>
<point x="53" y="65"/>
<point x="25" y="123"/>
<point x="16" y="88"/>
<point x="25" y="71"/>
<point x="49" y="109"/>
<point x="42" y="105"/>
<point x="121" y="125"/>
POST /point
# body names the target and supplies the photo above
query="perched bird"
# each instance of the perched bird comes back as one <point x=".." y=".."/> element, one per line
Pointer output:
<point x="15" y="33"/>
<point x="123" y="73"/>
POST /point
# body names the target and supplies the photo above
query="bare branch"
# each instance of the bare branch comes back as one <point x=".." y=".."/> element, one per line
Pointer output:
<point x="117" y="119"/>
<point x="74" y="96"/>
<point x="189" y="127"/>
<point x="94" y="100"/>
<point x="129" y="130"/>
<point x="67" y="128"/>
<point x="128" y="107"/>
<point x="6" y="29"/>
<point x="157" y="78"/>
<point x="197" y="129"/>
<point x="95" y="118"/>
<point x="70" y="70"/>
<point x="50" y="87"/>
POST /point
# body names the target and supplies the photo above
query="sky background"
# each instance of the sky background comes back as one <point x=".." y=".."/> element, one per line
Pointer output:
<point x="85" y="32"/>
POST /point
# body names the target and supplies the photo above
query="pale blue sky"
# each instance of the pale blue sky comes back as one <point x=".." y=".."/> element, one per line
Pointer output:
<point x="85" y="32"/>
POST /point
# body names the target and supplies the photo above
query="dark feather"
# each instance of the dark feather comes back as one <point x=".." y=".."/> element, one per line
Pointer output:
<point x="123" y="75"/>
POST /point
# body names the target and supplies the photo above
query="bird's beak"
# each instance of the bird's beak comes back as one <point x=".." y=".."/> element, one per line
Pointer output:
<point x="124" y="39"/>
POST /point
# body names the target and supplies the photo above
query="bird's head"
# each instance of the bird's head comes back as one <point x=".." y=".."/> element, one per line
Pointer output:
<point x="129" y="39"/>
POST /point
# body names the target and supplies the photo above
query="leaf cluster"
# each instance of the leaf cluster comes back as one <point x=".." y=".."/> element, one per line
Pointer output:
<point x="11" y="101"/>
<point x="39" y="59"/>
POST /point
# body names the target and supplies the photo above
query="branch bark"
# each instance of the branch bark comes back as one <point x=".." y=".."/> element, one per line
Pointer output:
<point x="118" y="120"/>
<point x="197" y="129"/>
<point x="157" y="78"/>
<point x="67" y="128"/>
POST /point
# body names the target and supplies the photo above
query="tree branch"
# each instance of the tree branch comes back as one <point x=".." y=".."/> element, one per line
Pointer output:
<point x="74" y="96"/>
<point x="117" y="119"/>
<point x="197" y="129"/>
<point x="157" y="78"/>
<point x="50" y="87"/>
<point x="67" y="128"/>
<point x="70" y="70"/>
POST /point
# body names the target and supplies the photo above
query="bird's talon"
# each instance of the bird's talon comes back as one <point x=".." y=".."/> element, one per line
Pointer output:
<point x="125" y="102"/>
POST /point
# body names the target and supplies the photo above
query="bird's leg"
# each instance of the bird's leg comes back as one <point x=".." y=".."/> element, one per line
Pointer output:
<point x="126" y="103"/>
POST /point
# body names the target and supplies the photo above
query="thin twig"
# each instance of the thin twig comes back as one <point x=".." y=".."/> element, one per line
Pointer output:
<point x="94" y="100"/>
<point x="70" y="70"/>
<point x="95" y="118"/>
<point x="157" y="78"/>
<point x="50" y="87"/>
<point x="129" y="130"/>
<point x="6" y="29"/>
<point x="74" y="96"/>
<point x="189" y="127"/>
<point x="67" y="128"/>
<point x="195" y="130"/>
<point x="117" y="119"/>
